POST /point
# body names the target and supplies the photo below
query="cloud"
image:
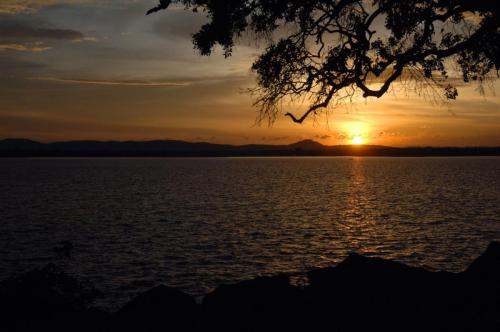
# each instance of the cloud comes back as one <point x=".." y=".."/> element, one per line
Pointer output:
<point x="341" y="136"/>
<point x="34" y="35"/>
<point x="19" y="36"/>
<point x="112" y="82"/>
<point x="23" y="48"/>
<point x="19" y="6"/>
<point x="22" y="6"/>
<point x="16" y="31"/>
<point x="322" y="136"/>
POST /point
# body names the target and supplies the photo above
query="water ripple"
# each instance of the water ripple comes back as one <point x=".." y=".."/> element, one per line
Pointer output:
<point x="196" y="223"/>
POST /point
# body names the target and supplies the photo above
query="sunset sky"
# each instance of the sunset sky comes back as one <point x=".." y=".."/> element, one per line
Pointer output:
<point x="102" y="70"/>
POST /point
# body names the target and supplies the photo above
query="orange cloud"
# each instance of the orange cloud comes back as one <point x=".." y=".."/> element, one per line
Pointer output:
<point x="23" y="48"/>
<point x="111" y="82"/>
<point x="19" y="6"/>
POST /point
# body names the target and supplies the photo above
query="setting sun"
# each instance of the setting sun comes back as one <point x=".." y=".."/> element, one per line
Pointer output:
<point x="357" y="140"/>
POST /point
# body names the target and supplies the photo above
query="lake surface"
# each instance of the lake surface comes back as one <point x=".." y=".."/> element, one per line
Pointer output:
<point x="196" y="223"/>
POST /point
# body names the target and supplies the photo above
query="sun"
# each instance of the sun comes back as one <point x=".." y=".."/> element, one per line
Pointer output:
<point x="357" y="140"/>
<point x="356" y="133"/>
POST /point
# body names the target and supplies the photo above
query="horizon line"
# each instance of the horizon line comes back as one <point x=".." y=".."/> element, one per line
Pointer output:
<point x="246" y="144"/>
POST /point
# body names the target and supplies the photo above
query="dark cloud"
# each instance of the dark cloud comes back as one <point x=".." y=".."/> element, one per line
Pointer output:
<point x="20" y="32"/>
<point x="341" y="136"/>
<point x="393" y="133"/>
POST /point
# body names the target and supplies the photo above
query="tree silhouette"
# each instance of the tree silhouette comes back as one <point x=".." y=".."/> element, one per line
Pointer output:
<point x="328" y="51"/>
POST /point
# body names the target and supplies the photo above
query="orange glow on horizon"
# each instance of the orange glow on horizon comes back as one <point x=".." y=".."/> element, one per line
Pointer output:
<point x="357" y="140"/>
<point x="356" y="132"/>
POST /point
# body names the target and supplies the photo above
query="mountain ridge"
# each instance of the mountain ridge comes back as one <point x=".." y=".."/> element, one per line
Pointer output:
<point x="21" y="147"/>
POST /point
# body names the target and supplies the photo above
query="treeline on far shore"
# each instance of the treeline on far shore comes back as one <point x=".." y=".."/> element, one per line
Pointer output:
<point x="171" y="148"/>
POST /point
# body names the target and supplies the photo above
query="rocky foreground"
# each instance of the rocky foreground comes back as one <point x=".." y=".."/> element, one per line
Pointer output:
<point x="359" y="294"/>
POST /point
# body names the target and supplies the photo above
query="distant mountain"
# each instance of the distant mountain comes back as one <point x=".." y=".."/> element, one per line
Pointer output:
<point x="172" y="148"/>
<point x="19" y="144"/>
<point x="308" y="144"/>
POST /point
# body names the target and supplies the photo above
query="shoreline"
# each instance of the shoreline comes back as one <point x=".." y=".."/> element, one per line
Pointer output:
<point x="358" y="294"/>
<point x="173" y="148"/>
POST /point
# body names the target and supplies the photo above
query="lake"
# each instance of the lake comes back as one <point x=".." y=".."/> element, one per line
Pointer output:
<point x="194" y="223"/>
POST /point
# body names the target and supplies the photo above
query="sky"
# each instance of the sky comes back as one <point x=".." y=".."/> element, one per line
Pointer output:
<point x="102" y="70"/>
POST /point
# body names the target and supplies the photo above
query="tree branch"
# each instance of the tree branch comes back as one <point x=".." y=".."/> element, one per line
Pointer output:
<point x="314" y="108"/>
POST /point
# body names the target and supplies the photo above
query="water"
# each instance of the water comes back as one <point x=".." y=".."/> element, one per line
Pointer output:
<point x="197" y="223"/>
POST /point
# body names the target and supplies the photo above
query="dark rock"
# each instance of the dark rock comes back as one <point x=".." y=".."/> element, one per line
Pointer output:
<point x="481" y="290"/>
<point x="64" y="249"/>
<point x="358" y="266"/>
<point x="359" y="294"/>
<point x="261" y="304"/>
<point x="376" y="277"/>
<point x="374" y="293"/>
<point x="159" y="309"/>
<point x="487" y="265"/>
<point x="45" y="298"/>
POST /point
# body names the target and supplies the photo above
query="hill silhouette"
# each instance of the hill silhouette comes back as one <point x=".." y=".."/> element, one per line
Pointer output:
<point x="175" y="148"/>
